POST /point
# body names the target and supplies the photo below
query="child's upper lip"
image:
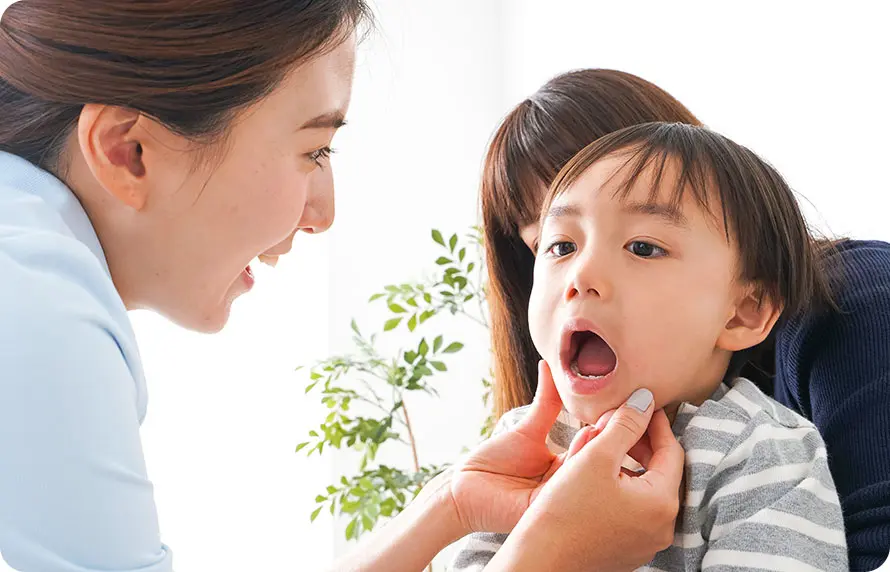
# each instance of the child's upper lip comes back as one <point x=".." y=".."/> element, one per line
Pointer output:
<point x="572" y="325"/>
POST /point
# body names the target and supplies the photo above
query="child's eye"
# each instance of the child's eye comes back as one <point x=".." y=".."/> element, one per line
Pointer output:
<point x="561" y="248"/>
<point x="645" y="249"/>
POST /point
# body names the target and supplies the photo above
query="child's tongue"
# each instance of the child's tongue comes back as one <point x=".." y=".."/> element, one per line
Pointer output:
<point x="595" y="357"/>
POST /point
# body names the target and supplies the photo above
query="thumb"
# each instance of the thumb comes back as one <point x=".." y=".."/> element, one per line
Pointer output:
<point x="545" y="408"/>
<point x="627" y="425"/>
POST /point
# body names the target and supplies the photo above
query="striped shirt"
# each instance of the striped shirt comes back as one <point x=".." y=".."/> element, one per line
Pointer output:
<point x="758" y="493"/>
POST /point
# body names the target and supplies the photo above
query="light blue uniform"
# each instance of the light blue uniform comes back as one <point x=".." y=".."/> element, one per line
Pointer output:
<point x="74" y="494"/>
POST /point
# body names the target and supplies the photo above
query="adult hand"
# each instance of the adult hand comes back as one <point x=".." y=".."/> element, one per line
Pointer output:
<point x="593" y="514"/>
<point x="496" y="483"/>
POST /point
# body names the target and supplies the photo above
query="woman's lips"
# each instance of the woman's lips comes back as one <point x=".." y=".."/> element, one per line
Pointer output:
<point x="247" y="277"/>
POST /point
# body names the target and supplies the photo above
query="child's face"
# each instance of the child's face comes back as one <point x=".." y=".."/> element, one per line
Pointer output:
<point x="658" y="288"/>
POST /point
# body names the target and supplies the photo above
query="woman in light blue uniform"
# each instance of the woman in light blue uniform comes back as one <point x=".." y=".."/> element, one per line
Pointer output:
<point x="149" y="151"/>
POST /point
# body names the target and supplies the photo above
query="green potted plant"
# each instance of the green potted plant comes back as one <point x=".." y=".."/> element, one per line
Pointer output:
<point x="366" y="390"/>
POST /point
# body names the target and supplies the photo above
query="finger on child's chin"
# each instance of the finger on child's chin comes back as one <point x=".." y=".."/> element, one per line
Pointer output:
<point x="642" y="451"/>
<point x="604" y="418"/>
<point x="582" y="437"/>
<point x="546" y="404"/>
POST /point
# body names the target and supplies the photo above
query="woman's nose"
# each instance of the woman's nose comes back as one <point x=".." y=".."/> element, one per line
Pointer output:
<point x="318" y="215"/>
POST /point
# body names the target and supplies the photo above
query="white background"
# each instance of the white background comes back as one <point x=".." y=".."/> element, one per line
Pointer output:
<point x="804" y="84"/>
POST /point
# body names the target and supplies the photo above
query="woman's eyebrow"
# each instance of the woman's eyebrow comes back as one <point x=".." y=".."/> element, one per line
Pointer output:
<point x="330" y="120"/>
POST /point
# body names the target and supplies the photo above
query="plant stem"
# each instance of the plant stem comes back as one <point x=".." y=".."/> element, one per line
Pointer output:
<point x="411" y="437"/>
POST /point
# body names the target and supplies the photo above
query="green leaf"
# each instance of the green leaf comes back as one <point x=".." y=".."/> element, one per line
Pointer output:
<point x="423" y="348"/>
<point x="411" y="302"/>
<point x="350" y="530"/>
<point x="437" y="343"/>
<point x="321" y="498"/>
<point x="391" y="288"/>
<point x="437" y="236"/>
<point x="301" y="446"/>
<point x="468" y="298"/>
<point x="461" y="254"/>
<point x="427" y="315"/>
<point x="427" y="298"/>
<point x="410" y="356"/>
<point x="367" y="522"/>
<point x="422" y="369"/>
<point x="354" y="327"/>
<point x="412" y="323"/>
<point x="315" y="514"/>
<point x="396" y="309"/>
<point x="439" y="365"/>
<point x="470" y="267"/>
<point x="391" y="324"/>
<point x="331" y="489"/>
<point x="453" y="242"/>
<point x="441" y="261"/>
<point x="376" y="297"/>
<point x="453" y="347"/>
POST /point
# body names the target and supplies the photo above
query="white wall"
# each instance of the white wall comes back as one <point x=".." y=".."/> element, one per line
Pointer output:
<point x="804" y="84"/>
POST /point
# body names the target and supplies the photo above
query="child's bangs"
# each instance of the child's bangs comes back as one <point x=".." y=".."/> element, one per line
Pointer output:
<point x="674" y="163"/>
<point x="672" y="174"/>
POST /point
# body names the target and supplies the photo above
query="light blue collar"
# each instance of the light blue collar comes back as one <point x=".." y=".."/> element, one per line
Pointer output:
<point x="18" y="173"/>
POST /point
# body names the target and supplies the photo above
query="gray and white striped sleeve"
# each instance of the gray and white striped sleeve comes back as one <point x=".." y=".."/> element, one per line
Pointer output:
<point x="774" y="506"/>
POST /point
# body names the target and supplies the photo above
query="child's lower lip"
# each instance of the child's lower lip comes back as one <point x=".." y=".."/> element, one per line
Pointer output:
<point x="585" y="385"/>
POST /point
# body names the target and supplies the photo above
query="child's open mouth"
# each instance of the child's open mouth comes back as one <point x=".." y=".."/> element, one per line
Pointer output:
<point x="587" y="359"/>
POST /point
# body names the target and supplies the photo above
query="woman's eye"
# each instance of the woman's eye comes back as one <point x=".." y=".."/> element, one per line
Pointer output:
<point x="560" y="249"/>
<point x="320" y="155"/>
<point x="645" y="249"/>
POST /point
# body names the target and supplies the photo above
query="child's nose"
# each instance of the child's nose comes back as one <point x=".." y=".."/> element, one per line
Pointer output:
<point x="589" y="278"/>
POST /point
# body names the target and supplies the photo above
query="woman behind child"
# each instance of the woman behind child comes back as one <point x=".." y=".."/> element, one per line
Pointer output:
<point x="665" y="254"/>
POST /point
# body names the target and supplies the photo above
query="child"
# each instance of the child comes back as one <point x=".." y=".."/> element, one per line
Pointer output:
<point x="667" y="253"/>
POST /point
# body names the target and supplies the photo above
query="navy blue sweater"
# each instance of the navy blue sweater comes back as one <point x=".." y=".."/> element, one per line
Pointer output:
<point x="834" y="368"/>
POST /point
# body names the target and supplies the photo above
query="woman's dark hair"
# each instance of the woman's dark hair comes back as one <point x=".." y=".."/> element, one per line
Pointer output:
<point x="530" y="147"/>
<point x="189" y="64"/>
<point x="743" y="193"/>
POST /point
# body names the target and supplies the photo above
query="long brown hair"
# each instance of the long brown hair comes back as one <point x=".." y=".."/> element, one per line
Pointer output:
<point x="529" y="148"/>
<point x="189" y="64"/>
<point x="742" y="192"/>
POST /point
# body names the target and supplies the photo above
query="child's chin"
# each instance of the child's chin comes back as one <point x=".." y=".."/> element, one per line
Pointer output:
<point x="587" y="410"/>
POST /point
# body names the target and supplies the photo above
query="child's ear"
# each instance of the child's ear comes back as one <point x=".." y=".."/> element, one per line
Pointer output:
<point x="752" y="320"/>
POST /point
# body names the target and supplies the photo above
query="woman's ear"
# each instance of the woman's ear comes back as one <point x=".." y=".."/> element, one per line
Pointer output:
<point x="752" y="320"/>
<point x="111" y="141"/>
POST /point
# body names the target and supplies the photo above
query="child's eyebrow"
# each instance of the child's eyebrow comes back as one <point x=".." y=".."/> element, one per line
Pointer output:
<point x="557" y="211"/>
<point x="670" y="214"/>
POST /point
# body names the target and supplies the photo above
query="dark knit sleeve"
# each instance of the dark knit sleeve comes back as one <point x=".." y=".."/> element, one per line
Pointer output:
<point x="834" y="368"/>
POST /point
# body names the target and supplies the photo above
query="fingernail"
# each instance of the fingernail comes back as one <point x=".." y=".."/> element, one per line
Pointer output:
<point x="640" y="400"/>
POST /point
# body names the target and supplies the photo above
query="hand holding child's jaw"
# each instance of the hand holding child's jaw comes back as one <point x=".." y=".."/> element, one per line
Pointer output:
<point x="600" y="512"/>
<point x="492" y="489"/>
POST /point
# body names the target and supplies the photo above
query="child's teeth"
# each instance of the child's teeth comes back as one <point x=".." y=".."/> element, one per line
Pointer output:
<point x="577" y="372"/>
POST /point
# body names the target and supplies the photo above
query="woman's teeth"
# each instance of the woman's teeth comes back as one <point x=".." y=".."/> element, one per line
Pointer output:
<point x="268" y="260"/>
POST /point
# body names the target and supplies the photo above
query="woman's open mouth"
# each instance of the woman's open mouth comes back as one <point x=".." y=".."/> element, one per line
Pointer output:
<point x="586" y="358"/>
